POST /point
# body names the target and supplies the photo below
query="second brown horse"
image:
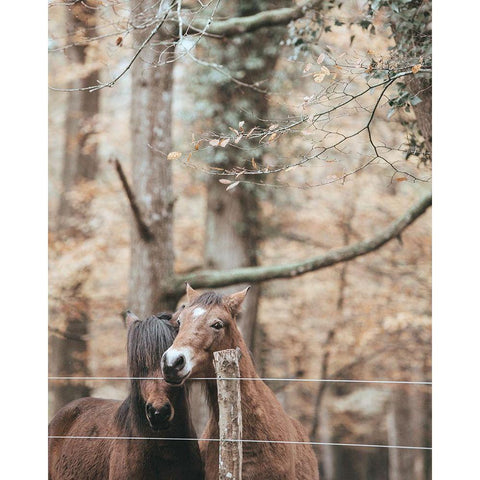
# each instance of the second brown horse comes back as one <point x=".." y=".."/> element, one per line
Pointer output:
<point x="97" y="439"/>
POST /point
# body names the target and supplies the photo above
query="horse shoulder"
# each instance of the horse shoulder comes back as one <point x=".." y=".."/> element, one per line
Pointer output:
<point x="306" y="465"/>
<point x="70" y="457"/>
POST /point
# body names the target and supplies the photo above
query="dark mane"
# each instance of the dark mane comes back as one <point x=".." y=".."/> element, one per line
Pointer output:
<point x="146" y="342"/>
<point x="208" y="298"/>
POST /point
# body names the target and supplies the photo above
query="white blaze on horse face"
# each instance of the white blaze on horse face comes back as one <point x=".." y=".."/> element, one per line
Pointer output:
<point x="199" y="311"/>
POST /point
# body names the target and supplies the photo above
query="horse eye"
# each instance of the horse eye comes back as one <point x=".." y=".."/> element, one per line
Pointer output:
<point x="217" y="325"/>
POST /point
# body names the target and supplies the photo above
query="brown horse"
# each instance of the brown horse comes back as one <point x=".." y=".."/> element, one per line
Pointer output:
<point x="208" y="324"/>
<point x="153" y="409"/>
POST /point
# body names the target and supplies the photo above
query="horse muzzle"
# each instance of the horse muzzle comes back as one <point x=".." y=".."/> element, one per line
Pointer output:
<point x="159" y="419"/>
<point x="176" y="366"/>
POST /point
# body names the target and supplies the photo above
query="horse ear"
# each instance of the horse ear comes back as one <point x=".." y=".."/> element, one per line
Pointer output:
<point x="130" y="318"/>
<point x="235" y="300"/>
<point x="192" y="294"/>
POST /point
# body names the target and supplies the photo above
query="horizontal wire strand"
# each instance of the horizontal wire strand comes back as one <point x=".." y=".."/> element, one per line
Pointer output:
<point x="288" y="442"/>
<point x="393" y="382"/>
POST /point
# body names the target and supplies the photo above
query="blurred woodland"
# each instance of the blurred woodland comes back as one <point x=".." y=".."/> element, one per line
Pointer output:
<point x="284" y="144"/>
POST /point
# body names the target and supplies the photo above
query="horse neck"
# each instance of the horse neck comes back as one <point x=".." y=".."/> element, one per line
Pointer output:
<point x="254" y="393"/>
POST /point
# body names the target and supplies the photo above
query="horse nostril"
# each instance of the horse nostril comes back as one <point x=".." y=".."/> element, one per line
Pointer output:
<point x="165" y="411"/>
<point x="150" y="410"/>
<point x="159" y="418"/>
<point x="179" y="362"/>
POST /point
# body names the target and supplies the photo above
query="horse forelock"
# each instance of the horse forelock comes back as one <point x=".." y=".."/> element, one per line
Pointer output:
<point x="208" y="299"/>
<point x="147" y="341"/>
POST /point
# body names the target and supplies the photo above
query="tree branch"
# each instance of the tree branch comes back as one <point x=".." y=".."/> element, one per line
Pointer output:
<point x="216" y="279"/>
<point x="220" y="28"/>
<point x="66" y="335"/>
<point x="270" y="18"/>
<point x="142" y="227"/>
<point x="112" y="82"/>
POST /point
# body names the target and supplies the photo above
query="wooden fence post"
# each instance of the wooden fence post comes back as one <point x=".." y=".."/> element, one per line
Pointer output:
<point x="226" y="364"/>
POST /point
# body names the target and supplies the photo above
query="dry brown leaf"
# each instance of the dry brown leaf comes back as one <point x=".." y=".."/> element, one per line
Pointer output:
<point x="307" y="67"/>
<point x="272" y="137"/>
<point x="214" y="143"/>
<point x="225" y="181"/>
<point x="401" y="179"/>
<point x="224" y="142"/>
<point x="254" y="164"/>
<point x="416" y="68"/>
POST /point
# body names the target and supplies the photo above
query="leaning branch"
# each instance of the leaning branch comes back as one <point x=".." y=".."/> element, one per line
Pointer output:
<point x="142" y="227"/>
<point x="216" y="278"/>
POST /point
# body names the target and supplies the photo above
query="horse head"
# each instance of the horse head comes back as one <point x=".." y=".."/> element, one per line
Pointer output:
<point x="207" y="323"/>
<point x="147" y="341"/>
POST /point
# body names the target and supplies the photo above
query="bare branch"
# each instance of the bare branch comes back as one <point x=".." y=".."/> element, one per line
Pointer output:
<point x="143" y="230"/>
<point x="112" y="82"/>
<point x="216" y="279"/>
<point x="67" y="335"/>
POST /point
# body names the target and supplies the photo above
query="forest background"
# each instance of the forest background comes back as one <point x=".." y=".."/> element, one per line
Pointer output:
<point x="241" y="142"/>
<point x="327" y="272"/>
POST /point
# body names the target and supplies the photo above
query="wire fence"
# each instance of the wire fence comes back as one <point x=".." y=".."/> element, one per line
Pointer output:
<point x="267" y="379"/>
<point x="256" y="379"/>
<point x="287" y="442"/>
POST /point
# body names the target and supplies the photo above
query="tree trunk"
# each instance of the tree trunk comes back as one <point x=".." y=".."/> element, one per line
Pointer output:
<point x="327" y="452"/>
<point x="231" y="241"/>
<point x="80" y="152"/>
<point x="393" y="453"/>
<point x="406" y="426"/>
<point x="422" y="87"/>
<point x="416" y="398"/>
<point x="234" y="217"/>
<point x="69" y="352"/>
<point x="418" y="84"/>
<point x="152" y="261"/>
<point x="69" y="358"/>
